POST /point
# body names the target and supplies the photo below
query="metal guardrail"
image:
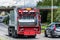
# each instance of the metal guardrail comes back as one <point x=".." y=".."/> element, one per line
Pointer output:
<point x="41" y="7"/>
<point x="48" y="7"/>
<point x="2" y="18"/>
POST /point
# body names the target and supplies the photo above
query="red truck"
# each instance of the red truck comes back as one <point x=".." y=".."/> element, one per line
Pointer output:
<point x="24" y="22"/>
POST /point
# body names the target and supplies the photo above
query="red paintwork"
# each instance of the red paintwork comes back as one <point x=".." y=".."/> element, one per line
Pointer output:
<point x="54" y="27"/>
<point x="29" y="30"/>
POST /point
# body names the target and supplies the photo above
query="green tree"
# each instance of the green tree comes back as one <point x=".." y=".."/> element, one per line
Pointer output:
<point x="44" y="3"/>
<point x="49" y="17"/>
<point x="57" y="15"/>
<point x="48" y="3"/>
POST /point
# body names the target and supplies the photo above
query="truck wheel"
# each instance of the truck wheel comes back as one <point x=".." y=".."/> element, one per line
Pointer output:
<point x="46" y="34"/>
<point x="14" y="33"/>
<point x="9" y="32"/>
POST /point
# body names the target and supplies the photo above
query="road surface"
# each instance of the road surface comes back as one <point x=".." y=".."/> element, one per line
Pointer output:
<point x="4" y="35"/>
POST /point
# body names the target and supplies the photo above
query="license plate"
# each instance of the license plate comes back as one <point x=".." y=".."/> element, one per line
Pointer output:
<point x="26" y="33"/>
<point x="29" y="32"/>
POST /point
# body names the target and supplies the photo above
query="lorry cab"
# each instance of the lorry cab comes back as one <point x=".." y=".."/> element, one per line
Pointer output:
<point x="24" y="21"/>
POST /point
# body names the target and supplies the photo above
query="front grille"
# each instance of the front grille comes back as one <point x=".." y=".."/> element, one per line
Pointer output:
<point x="27" y="23"/>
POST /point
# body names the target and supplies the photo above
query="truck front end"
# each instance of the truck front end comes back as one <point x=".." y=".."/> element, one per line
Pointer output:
<point x="28" y="22"/>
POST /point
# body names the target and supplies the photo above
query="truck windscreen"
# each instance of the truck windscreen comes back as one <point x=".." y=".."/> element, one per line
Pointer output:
<point x="26" y="15"/>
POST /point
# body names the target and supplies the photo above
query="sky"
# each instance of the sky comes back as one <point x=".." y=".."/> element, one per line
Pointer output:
<point x="18" y="2"/>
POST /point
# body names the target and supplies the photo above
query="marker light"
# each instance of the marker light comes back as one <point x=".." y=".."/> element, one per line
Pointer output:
<point x="28" y="8"/>
<point x="32" y="11"/>
<point x="19" y="10"/>
<point x="25" y="11"/>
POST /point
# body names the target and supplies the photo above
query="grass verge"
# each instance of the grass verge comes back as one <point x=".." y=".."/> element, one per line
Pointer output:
<point x="43" y="28"/>
<point x="2" y="38"/>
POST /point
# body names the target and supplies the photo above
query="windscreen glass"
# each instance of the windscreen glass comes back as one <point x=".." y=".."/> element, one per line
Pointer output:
<point x="26" y="15"/>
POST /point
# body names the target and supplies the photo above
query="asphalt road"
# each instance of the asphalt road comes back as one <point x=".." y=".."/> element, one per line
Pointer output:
<point x="4" y="35"/>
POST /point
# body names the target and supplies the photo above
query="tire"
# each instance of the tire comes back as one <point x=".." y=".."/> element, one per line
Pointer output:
<point x="9" y="31"/>
<point x="14" y="33"/>
<point x="46" y="34"/>
<point x="9" y="34"/>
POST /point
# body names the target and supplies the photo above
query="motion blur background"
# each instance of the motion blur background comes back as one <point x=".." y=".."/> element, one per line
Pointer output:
<point x="44" y="6"/>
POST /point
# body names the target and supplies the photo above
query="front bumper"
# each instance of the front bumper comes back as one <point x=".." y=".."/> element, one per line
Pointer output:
<point x="28" y="33"/>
